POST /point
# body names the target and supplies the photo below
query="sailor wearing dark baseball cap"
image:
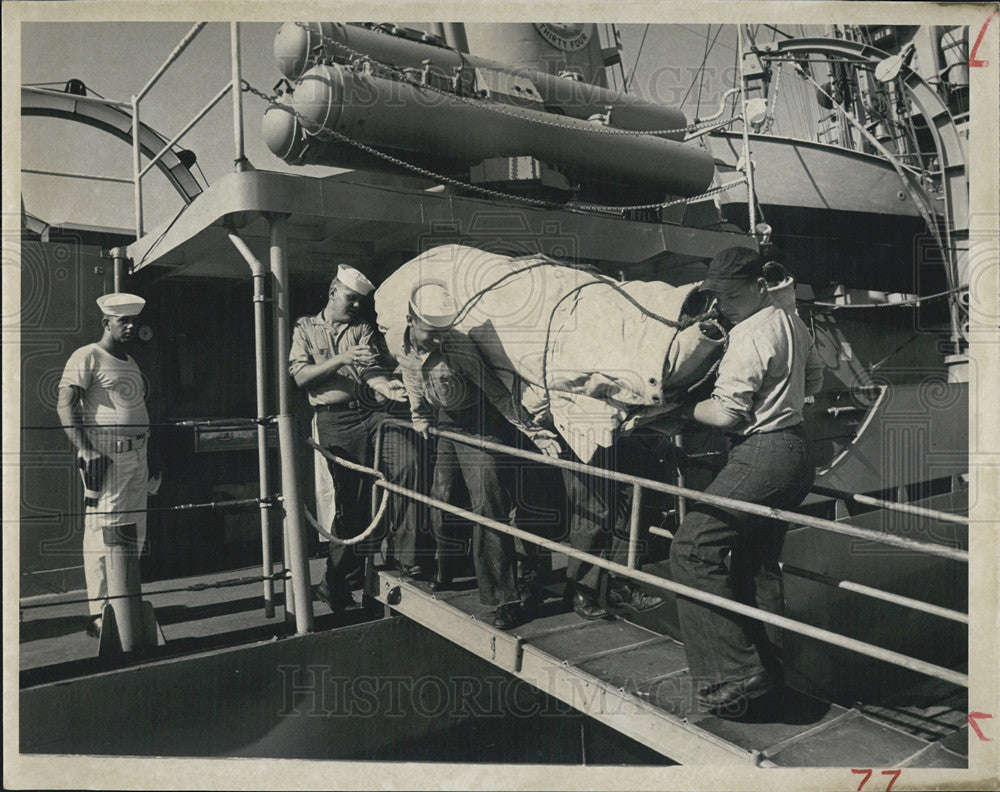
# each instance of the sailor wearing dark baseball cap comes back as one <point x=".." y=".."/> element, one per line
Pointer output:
<point x="770" y="365"/>
<point x="731" y="268"/>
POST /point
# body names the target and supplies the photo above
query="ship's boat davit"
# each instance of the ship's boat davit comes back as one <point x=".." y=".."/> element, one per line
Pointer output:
<point x="431" y="126"/>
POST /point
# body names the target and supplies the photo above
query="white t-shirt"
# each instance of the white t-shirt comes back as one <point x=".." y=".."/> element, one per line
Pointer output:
<point x="114" y="391"/>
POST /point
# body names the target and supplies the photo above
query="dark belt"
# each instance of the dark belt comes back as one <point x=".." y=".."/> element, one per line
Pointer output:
<point x="735" y="439"/>
<point x="340" y="407"/>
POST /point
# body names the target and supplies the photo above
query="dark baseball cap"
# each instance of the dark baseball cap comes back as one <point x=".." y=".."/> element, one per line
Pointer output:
<point x="732" y="268"/>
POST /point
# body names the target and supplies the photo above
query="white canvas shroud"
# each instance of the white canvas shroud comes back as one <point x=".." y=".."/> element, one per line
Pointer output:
<point x="605" y="362"/>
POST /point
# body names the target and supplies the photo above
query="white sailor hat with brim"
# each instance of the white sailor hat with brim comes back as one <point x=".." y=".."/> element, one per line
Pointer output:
<point x="354" y="279"/>
<point x="120" y="304"/>
<point x="432" y="304"/>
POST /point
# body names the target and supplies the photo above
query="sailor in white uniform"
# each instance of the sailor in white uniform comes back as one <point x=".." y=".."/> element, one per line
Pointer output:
<point x="102" y="407"/>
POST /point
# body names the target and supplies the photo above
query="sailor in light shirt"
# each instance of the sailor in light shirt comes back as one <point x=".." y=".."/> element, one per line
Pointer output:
<point x="770" y="365"/>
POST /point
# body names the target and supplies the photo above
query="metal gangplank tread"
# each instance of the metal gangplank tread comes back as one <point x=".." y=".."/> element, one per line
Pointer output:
<point x="636" y="681"/>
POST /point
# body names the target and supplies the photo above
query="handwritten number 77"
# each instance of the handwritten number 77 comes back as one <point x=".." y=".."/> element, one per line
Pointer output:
<point x="867" y="773"/>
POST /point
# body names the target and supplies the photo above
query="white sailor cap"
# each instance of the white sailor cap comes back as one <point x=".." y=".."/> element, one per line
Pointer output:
<point x="432" y="303"/>
<point x="354" y="279"/>
<point x="120" y="304"/>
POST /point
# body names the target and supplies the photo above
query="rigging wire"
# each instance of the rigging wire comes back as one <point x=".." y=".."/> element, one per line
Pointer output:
<point x="701" y="79"/>
<point x="702" y="35"/>
<point x="638" y="55"/>
<point x="700" y="75"/>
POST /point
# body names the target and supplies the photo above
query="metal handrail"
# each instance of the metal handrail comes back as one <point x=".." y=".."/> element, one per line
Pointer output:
<point x="234" y="86"/>
<point x="802" y="628"/>
<point x="874" y="593"/>
<point x="715" y="500"/>
<point x="877" y="652"/>
<point x="174" y="55"/>
<point x="176" y="138"/>
<point x="903" y="508"/>
<point x="68" y="175"/>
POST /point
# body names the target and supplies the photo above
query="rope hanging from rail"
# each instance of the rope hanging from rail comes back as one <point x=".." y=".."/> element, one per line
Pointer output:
<point x="380" y="512"/>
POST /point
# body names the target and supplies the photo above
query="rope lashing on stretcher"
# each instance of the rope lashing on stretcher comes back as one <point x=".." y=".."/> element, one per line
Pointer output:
<point x="542" y="260"/>
<point x="379" y="514"/>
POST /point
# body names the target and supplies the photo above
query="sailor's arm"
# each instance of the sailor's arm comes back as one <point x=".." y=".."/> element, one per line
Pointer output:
<point x="421" y="412"/>
<point x="306" y="371"/>
<point x="711" y="413"/>
<point x="379" y="374"/>
<point x="741" y="373"/>
<point x="70" y="410"/>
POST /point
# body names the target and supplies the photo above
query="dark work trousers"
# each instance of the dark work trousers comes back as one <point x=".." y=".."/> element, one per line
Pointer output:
<point x="488" y="481"/>
<point x="772" y="469"/>
<point x="351" y="434"/>
<point x="599" y="508"/>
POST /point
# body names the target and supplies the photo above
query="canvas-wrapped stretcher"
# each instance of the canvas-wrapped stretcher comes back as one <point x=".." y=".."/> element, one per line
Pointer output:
<point x="584" y="352"/>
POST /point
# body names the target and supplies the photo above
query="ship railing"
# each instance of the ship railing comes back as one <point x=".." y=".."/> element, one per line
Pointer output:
<point x="631" y="570"/>
<point x="233" y="86"/>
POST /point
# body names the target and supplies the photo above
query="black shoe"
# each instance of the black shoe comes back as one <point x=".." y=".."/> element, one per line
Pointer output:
<point x="406" y="570"/>
<point x="411" y="570"/>
<point x="440" y="583"/>
<point x="589" y="608"/>
<point x="94" y="627"/>
<point x="534" y="599"/>
<point x="506" y="617"/>
<point x="336" y="604"/>
<point x="624" y="595"/>
<point x="732" y="699"/>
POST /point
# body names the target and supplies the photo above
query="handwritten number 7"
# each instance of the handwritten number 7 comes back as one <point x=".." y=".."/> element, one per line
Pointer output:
<point x="867" y="773"/>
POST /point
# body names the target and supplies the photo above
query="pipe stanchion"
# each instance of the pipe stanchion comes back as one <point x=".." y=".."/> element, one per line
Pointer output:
<point x="633" y="530"/>
<point x="260" y="368"/>
<point x="237" y="86"/>
<point x="295" y="537"/>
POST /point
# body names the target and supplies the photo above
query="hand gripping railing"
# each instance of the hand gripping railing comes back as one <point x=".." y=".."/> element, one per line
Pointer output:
<point x="639" y="483"/>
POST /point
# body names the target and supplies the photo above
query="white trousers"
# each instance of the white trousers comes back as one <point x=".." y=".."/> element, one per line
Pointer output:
<point x="125" y="488"/>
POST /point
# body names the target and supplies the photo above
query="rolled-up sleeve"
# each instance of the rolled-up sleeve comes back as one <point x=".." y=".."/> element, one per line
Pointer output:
<point x="814" y="371"/>
<point x="421" y="411"/>
<point x="300" y="353"/>
<point x="384" y="366"/>
<point x="741" y="373"/>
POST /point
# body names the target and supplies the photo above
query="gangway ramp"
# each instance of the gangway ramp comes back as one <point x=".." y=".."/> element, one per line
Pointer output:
<point x="636" y="681"/>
